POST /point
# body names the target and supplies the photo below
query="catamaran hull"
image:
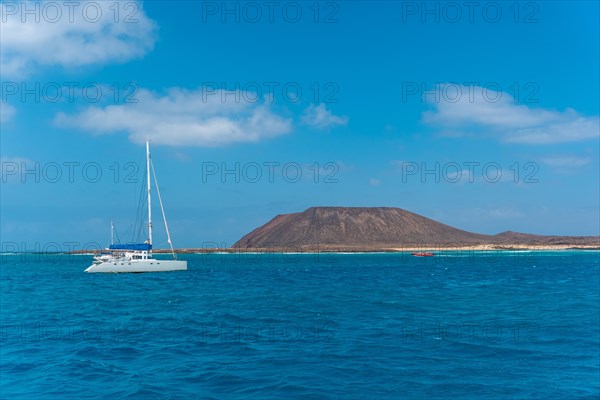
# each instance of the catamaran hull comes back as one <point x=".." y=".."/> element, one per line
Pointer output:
<point x="138" y="266"/>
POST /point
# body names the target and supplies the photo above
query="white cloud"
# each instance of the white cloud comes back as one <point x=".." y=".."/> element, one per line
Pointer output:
<point x="461" y="176"/>
<point x="566" y="161"/>
<point x="374" y="182"/>
<point x="505" y="213"/>
<point x="321" y="118"/>
<point x="184" y="118"/>
<point x="480" y="108"/>
<point x="71" y="34"/>
<point x="571" y="128"/>
<point x="15" y="160"/>
<point x="6" y="112"/>
<point x="13" y="167"/>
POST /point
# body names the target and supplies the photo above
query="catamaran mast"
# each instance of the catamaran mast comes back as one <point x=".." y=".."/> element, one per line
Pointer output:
<point x="149" y="201"/>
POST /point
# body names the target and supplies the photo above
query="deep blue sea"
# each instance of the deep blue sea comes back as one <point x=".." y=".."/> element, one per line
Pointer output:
<point x="464" y="325"/>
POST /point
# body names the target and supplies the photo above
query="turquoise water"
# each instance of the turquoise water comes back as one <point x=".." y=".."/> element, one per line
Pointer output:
<point x="275" y="326"/>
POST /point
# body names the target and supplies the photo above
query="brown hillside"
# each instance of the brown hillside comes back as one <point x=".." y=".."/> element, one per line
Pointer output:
<point x="355" y="226"/>
<point x="373" y="228"/>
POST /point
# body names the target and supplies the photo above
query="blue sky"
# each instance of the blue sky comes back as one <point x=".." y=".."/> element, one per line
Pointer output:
<point x="484" y="118"/>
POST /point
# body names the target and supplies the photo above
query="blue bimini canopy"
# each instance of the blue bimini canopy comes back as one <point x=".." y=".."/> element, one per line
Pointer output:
<point x="131" y="247"/>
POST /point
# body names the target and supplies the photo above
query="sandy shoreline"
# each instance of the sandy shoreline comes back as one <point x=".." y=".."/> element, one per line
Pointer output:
<point x="346" y="250"/>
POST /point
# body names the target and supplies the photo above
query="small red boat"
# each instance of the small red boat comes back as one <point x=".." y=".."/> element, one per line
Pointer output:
<point x="423" y="254"/>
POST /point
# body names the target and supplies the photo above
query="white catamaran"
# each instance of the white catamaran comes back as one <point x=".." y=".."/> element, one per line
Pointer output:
<point x="137" y="257"/>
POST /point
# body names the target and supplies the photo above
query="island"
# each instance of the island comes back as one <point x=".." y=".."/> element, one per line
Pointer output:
<point x="383" y="229"/>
